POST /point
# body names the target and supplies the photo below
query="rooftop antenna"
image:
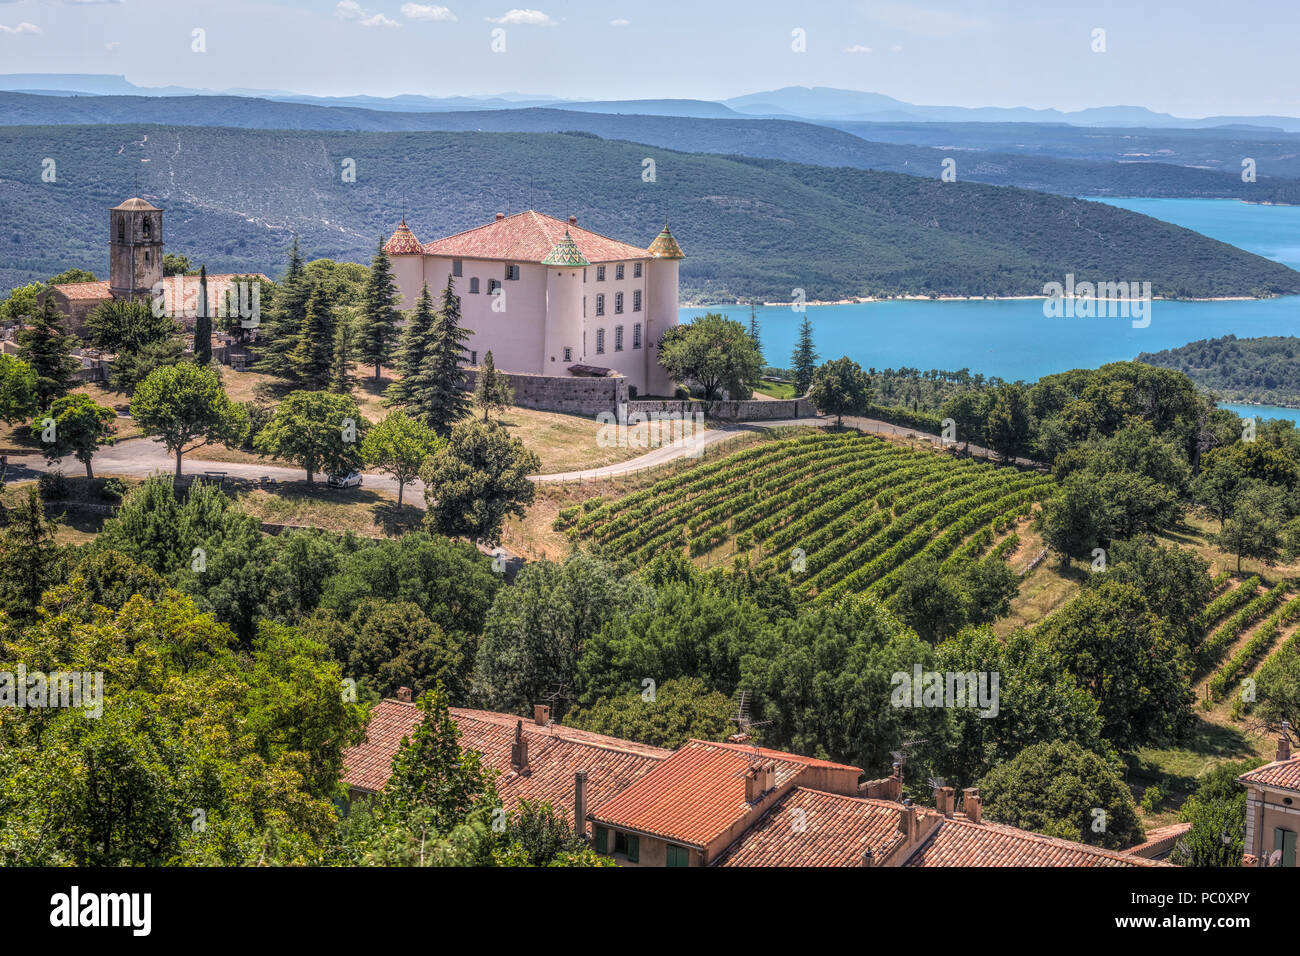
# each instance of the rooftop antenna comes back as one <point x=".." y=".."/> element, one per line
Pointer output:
<point x="744" y="724"/>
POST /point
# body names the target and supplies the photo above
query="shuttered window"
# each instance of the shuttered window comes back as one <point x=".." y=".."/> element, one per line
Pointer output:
<point x="678" y="855"/>
<point x="633" y="848"/>
<point x="602" y="840"/>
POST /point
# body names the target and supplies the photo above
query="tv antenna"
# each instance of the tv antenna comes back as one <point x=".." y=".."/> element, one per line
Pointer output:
<point x="744" y="724"/>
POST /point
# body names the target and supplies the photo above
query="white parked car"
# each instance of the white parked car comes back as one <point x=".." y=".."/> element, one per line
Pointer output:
<point x="351" y="480"/>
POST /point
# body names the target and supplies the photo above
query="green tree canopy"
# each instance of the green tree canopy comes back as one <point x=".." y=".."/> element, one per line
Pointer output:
<point x="320" y="431"/>
<point x="714" y="352"/>
<point x="185" y="405"/>
<point x="476" y="480"/>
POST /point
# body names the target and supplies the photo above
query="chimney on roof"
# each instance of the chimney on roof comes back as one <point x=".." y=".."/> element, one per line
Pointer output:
<point x="541" y="714"/>
<point x="945" y="800"/>
<point x="972" y="804"/>
<point x="738" y="738"/>
<point x="907" y="822"/>
<point x="868" y="858"/>
<point x="500" y="216"/>
<point x="753" y="783"/>
<point x="580" y="804"/>
<point x="519" y="750"/>
<point x="1284" y="742"/>
<point x="404" y="694"/>
<point x="573" y="220"/>
<point x="769" y="775"/>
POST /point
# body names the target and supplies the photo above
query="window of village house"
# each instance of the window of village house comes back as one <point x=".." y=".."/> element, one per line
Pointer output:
<point x="600" y="304"/>
<point x="618" y="271"/>
<point x="677" y="855"/>
<point x="618" y="303"/>
<point x="636" y="336"/>
<point x="629" y="844"/>
<point x="636" y="270"/>
<point x="568" y="354"/>
<point x="1284" y="841"/>
<point x="618" y="338"/>
<point x="512" y="271"/>
<point x="473" y="358"/>
<point x="600" y="273"/>
<point x="473" y="285"/>
<point x="636" y="300"/>
<point x="121" y="230"/>
<point x="456" y="268"/>
<point x="600" y="341"/>
<point x="602" y="840"/>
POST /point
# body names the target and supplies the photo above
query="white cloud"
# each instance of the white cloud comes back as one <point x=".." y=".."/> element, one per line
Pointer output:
<point x="421" y="11"/>
<point x="23" y="27"/>
<point x="857" y="48"/>
<point x="352" y="11"/>
<point x="895" y="49"/>
<point x="533" y="18"/>
<point x="620" y="22"/>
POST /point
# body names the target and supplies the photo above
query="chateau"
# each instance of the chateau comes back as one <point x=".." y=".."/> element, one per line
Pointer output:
<point x="549" y="298"/>
<point x="135" y="271"/>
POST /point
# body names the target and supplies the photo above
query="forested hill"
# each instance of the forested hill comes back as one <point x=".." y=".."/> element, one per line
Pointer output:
<point x="750" y="227"/>
<point x="1264" y="370"/>
<point x="1200" y="163"/>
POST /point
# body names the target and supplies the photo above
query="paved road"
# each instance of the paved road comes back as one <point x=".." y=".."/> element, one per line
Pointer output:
<point x="141" y="457"/>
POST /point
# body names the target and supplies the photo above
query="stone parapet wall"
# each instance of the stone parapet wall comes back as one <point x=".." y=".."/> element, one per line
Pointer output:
<point x="748" y="410"/>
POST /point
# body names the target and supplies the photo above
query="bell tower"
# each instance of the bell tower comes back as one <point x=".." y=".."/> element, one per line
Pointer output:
<point x="135" y="249"/>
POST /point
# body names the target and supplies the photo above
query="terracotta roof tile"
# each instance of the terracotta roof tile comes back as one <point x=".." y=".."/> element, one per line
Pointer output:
<point x="554" y="754"/>
<point x="530" y="237"/>
<point x="959" y="842"/>
<point x="403" y="242"/>
<point x="694" y="795"/>
<point x="80" y="291"/>
<point x="836" y="829"/>
<point x="1283" y="774"/>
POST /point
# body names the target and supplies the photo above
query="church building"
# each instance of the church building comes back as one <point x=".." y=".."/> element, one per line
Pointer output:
<point x="549" y="298"/>
<point x="135" y="271"/>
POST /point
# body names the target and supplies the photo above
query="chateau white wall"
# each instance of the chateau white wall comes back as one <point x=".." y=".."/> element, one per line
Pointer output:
<point x="630" y="362"/>
<point x="516" y="336"/>
<point x="662" y="309"/>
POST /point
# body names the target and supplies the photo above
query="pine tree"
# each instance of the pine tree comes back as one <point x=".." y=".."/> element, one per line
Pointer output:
<point x="313" y="357"/>
<point x="344" y="350"/>
<point x="492" y="391"/>
<point x="282" y="325"/>
<point x="415" y="339"/>
<point x="755" y="332"/>
<point x="439" y="391"/>
<point x="377" y="331"/>
<point x="47" y="348"/>
<point x="804" y="359"/>
<point x="203" y="323"/>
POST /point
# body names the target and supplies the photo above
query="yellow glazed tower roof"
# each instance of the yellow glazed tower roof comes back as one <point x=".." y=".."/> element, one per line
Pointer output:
<point x="665" y="246"/>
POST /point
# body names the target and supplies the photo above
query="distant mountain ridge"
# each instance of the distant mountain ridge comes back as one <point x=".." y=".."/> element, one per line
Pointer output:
<point x="816" y="103"/>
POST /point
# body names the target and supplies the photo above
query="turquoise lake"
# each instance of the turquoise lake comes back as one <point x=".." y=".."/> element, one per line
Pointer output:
<point x="1014" y="340"/>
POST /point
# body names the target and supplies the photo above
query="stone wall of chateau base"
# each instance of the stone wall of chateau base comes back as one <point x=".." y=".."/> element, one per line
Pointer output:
<point x="740" y="411"/>
<point x="564" y="393"/>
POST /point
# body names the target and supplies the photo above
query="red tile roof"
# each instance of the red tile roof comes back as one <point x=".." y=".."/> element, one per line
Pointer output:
<point x="959" y="842"/>
<point x="530" y="237"/>
<point x="694" y="795"/>
<point x="1159" y="841"/>
<point x="554" y="754"/>
<point x="815" y="828"/>
<point x="179" y="290"/>
<point x="78" y="291"/>
<point x="1283" y="774"/>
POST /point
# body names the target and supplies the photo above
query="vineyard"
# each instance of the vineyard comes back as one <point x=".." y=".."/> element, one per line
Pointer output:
<point x="1241" y="627"/>
<point x="841" y="513"/>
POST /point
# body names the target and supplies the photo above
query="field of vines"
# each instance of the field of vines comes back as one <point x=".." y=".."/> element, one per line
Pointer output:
<point x="841" y="513"/>
<point x="1250" y="617"/>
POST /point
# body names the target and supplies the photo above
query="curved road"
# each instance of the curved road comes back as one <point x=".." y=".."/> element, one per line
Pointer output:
<point x="141" y="457"/>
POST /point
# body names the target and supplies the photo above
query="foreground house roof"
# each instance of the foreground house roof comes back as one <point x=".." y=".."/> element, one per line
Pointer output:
<point x="1280" y="775"/>
<point x="554" y="754"/>
<point x="179" y="290"/>
<point x="960" y="842"/>
<point x="528" y="236"/>
<point x="814" y="828"/>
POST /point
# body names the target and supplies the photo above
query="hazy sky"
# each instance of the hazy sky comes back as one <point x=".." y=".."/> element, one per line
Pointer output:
<point x="1190" y="58"/>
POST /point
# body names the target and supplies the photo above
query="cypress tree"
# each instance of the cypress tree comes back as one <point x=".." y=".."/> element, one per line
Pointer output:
<point x="313" y="357"/>
<point x="804" y="359"/>
<point x="47" y="348"/>
<point x="415" y="340"/>
<point x="438" y="390"/>
<point x="282" y="325"/>
<point x="203" y="323"/>
<point x="344" y="347"/>
<point x="492" y="389"/>
<point x="377" y="330"/>
<point x="755" y="332"/>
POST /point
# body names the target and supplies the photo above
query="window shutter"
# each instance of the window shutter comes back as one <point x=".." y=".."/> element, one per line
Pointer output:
<point x="633" y="848"/>
<point x="602" y="840"/>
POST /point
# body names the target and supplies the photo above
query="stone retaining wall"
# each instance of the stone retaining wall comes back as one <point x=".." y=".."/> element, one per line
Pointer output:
<point x="748" y="410"/>
<point x="564" y="393"/>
